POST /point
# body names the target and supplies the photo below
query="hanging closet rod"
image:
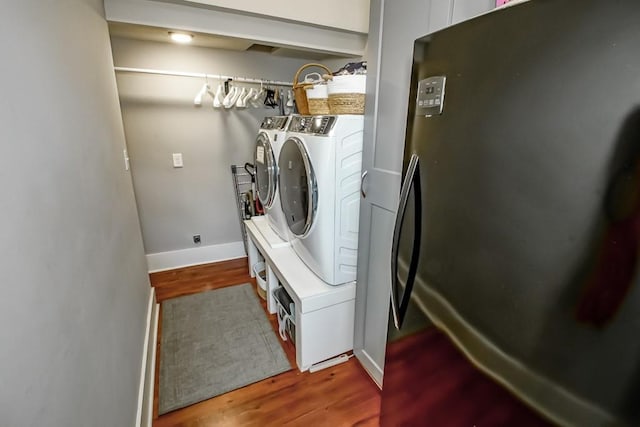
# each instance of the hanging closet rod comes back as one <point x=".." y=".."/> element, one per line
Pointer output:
<point x="201" y="75"/>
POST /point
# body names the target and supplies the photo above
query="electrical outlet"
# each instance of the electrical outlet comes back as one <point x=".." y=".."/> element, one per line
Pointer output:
<point x="196" y="239"/>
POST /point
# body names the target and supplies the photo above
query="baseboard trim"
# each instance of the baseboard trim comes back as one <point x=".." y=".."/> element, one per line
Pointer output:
<point x="151" y="368"/>
<point x="170" y="260"/>
<point x="150" y="336"/>
<point x="372" y="368"/>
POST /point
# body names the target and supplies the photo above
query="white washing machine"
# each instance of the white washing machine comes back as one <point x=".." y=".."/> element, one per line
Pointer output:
<point x="271" y="136"/>
<point x="319" y="183"/>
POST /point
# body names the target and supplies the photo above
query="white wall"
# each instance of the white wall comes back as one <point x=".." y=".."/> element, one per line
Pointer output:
<point x="352" y="15"/>
<point x="264" y="29"/>
<point x="160" y="119"/>
<point x="74" y="288"/>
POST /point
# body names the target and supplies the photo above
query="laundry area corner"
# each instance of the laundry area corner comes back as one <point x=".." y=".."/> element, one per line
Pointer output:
<point x="361" y="213"/>
<point x="236" y="150"/>
<point x="166" y="113"/>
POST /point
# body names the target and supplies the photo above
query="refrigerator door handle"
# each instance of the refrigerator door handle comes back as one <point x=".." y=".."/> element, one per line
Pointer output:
<point x="399" y="304"/>
<point x="364" y="176"/>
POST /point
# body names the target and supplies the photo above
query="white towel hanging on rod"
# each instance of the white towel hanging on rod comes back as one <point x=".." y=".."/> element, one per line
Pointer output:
<point x="201" y="75"/>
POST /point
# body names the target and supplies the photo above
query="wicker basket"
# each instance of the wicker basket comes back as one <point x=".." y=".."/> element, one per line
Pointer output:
<point x="346" y="103"/>
<point x="260" y="270"/>
<point x="299" y="88"/>
<point x="318" y="99"/>
<point x="347" y="94"/>
<point x="319" y="106"/>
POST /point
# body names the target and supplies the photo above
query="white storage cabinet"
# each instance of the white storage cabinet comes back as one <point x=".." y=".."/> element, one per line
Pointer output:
<point x="324" y="314"/>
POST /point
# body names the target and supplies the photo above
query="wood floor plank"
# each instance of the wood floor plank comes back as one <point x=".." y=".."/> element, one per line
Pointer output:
<point x="200" y="278"/>
<point x="342" y="395"/>
<point x="449" y="391"/>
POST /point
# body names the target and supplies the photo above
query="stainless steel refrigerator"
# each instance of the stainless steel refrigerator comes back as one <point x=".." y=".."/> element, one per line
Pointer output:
<point x="516" y="246"/>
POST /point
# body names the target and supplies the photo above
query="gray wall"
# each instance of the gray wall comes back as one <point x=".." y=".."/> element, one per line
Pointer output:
<point x="392" y="30"/>
<point x="390" y="59"/>
<point x="74" y="287"/>
<point x="160" y="119"/>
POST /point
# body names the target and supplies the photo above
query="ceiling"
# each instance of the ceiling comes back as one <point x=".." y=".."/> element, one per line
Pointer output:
<point x="157" y="34"/>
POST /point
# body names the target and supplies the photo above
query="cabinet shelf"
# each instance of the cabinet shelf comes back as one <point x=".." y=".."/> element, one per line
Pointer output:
<point x="324" y="314"/>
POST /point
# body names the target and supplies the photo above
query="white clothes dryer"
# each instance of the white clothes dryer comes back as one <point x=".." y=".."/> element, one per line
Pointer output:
<point x="270" y="138"/>
<point x="319" y="183"/>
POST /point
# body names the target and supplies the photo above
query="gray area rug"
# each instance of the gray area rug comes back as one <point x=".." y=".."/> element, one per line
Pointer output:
<point x="214" y="342"/>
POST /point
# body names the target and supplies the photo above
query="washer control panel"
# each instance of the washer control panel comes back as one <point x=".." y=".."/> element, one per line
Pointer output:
<point x="274" y="123"/>
<point x="315" y="125"/>
<point x="430" y="99"/>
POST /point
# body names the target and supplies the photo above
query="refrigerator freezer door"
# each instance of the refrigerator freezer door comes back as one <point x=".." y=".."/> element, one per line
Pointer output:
<point x="531" y="202"/>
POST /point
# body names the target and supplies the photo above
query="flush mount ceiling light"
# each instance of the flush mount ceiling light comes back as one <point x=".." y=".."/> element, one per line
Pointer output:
<point x="180" y="37"/>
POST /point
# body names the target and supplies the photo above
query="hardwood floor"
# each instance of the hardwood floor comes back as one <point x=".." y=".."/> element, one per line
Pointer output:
<point x="200" y="278"/>
<point x="452" y="392"/>
<point x="342" y="395"/>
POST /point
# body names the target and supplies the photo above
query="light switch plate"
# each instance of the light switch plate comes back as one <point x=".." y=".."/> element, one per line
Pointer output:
<point x="177" y="160"/>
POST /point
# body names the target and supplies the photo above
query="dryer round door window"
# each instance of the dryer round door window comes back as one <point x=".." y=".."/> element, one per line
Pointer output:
<point x="266" y="172"/>
<point x="298" y="189"/>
